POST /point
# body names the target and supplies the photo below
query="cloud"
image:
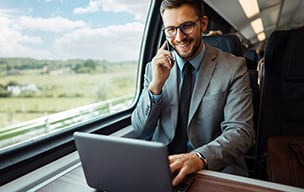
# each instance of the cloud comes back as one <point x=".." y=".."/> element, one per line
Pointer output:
<point x="62" y="38"/>
<point x="50" y="1"/>
<point x="137" y="8"/>
<point x="53" y="24"/>
<point x="91" y="8"/>
<point x="12" y="42"/>
<point x="16" y="42"/>
<point x="116" y="43"/>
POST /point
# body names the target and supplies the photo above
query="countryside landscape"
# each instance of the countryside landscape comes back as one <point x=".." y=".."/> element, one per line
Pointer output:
<point x="31" y="88"/>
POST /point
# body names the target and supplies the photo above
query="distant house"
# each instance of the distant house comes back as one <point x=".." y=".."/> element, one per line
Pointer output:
<point x="49" y="70"/>
<point x="45" y="69"/>
<point x="18" y="89"/>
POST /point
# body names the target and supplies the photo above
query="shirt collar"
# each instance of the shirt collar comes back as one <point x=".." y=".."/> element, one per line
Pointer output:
<point x="195" y="62"/>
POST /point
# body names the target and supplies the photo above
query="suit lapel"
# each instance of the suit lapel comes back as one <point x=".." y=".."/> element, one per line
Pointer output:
<point x="202" y="82"/>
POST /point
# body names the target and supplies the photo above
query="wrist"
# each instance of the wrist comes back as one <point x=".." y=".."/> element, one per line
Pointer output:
<point x="154" y="90"/>
<point x="203" y="158"/>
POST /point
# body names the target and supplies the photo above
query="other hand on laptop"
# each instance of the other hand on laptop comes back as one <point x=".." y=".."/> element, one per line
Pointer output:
<point x="184" y="164"/>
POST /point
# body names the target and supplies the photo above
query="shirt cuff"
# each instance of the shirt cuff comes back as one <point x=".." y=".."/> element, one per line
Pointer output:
<point x="155" y="98"/>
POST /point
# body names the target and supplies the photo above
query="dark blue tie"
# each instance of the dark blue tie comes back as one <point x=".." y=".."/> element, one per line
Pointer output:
<point x="179" y="142"/>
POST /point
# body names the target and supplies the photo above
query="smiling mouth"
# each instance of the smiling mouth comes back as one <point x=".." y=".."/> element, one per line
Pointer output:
<point x="184" y="47"/>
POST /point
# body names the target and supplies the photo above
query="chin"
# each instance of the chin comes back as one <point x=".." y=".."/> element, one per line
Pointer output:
<point x="185" y="55"/>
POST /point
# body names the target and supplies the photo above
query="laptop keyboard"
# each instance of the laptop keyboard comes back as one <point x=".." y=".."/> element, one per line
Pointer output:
<point x="185" y="184"/>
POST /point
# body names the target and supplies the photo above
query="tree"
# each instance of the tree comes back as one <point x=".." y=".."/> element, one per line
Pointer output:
<point x="90" y="64"/>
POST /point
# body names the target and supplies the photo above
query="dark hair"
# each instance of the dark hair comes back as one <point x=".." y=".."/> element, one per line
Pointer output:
<point x="197" y="5"/>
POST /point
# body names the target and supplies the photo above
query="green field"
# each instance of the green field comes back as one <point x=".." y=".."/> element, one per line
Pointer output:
<point x="17" y="110"/>
<point x="64" y="91"/>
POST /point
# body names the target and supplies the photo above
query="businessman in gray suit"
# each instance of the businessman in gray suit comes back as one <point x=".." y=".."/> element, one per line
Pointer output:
<point x="219" y="121"/>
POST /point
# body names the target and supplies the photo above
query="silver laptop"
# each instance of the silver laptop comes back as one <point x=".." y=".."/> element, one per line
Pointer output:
<point x="116" y="164"/>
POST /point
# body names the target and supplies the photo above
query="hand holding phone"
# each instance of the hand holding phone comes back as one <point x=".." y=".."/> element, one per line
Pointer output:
<point x="169" y="48"/>
<point x="161" y="68"/>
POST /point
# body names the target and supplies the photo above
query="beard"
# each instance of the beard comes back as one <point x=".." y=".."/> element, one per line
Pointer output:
<point x="188" y="48"/>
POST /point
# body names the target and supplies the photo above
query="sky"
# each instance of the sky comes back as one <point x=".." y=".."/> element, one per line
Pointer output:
<point x="72" y="29"/>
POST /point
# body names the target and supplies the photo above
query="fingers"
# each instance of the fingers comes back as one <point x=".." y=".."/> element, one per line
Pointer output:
<point x="161" y="67"/>
<point x="180" y="176"/>
<point x="176" y="162"/>
<point x="163" y="59"/>
<point x="165" y="55"/>
<point x="182" y="161"/>
<point x="185" y="164"/>
<point x="164" y="45"/>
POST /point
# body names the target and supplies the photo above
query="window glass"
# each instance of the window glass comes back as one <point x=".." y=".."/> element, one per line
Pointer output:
<point x="63" y="62"/>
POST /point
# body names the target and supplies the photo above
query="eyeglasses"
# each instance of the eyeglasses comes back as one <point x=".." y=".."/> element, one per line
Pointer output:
<point x="186" y="28"/>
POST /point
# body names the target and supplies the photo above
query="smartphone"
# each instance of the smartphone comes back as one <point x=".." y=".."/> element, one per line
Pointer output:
<point x="169" y="48"/>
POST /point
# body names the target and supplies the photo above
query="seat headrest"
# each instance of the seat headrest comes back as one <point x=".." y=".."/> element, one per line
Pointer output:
<point x="228" y="43"/>
<point x="284" y="54"/>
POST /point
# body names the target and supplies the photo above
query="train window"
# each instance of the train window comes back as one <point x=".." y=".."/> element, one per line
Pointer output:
<point x="65" y="62"/>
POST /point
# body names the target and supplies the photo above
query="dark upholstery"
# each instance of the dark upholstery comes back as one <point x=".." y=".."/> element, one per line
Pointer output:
<point x="253" y="76"/>
<point x="251" y="59"/>
<point x="229" y="43"/>
<point x="282" y="88"/>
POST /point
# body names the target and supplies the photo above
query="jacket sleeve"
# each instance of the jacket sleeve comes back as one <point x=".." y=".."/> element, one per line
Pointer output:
<point x="146" y="114"/>
<point x="237" y="132"/>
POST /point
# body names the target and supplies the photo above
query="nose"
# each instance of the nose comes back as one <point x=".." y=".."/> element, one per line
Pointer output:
<point x="180" y="35"/>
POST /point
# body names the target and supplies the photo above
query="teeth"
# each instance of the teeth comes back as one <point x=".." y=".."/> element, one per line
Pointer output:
<point x="183" y="45"/>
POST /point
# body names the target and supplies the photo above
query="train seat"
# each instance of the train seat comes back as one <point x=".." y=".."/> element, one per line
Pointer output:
<point x="282" y="90"/>
<point x="228" y="42"/>
<point x="251" y="59"/>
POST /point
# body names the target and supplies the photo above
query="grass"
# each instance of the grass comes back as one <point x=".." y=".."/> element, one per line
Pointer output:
<point x="64" y="91"/>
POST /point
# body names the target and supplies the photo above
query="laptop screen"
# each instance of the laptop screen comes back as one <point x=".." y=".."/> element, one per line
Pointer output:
<point x="118" y="164"/>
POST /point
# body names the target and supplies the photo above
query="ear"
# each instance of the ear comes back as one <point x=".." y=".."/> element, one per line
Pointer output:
<point x="204" y="23"/>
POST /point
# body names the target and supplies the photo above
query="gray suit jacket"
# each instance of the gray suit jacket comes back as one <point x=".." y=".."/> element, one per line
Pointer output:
<point x="220" y="124"/>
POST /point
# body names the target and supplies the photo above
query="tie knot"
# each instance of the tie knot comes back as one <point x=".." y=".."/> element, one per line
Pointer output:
<point x="187" y="67"/>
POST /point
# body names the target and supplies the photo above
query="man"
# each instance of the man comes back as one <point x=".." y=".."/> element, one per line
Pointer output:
<point x="219" y="127"/>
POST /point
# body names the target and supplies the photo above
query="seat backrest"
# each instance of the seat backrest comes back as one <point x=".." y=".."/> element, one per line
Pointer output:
<point x="282" y="89"/>
<point x="253" y="76"/>
<point x="228" y="43"/>
<point x="251" y="59"/>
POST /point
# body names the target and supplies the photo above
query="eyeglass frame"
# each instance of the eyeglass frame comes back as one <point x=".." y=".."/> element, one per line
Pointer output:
<point x="181" y="26"/>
